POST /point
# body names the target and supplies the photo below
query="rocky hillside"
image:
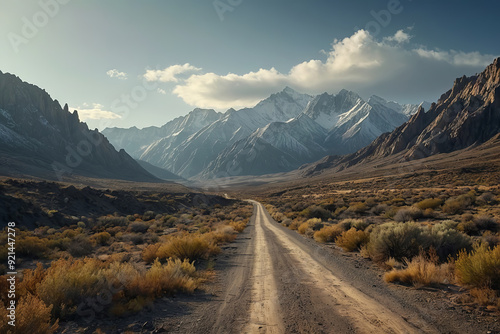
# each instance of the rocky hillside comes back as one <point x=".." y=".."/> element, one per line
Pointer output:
<point x="465" y="116"/>
<point x="38" y="137"/>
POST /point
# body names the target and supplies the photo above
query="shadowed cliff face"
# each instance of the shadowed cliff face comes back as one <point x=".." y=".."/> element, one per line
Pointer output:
<point x="35" y="131"/>
<point x="466" y="115"/>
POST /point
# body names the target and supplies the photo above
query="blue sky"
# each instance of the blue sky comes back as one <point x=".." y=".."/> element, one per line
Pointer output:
<point x="129" y="62"/>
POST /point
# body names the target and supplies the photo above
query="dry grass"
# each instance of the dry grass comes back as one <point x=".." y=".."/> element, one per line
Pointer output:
<point x="420" y="271"/>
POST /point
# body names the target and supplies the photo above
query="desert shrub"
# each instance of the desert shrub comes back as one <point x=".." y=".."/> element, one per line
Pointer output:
<point x="31" y="246"/>
<point x="358" y="207"/>
<point x="294" y="225"/>
<point x="407" y="214"/>
<point x="223" y="234"/>
<point x="109" y="221"/>
<point x="479" y="268"/>
<point x="101" y="238"/>
<point x="315" y="224"/>
<point x="134" y="238"/>
<point x="238" y="226"/>
<point x="303" y="228"/>
<point x="379" y="209"/>
<point x="31" y="279"/>
<point x="397" y="240"/>
<point x="352" y="240"/>
<point x="486" y="223"/>
<point x="456" y="205"/>
<point x="80" y="246"/>
<point x="190" y="247"/>
<point x="429" y="203"/>
<point x="149" y="253"/>
<point x="420" y="271"/>
<point x="286" y="222"/>
<point x="359" y="224"/>
<point x="175" y="275"/>
<point x="468" y="227"/>
<point x="315" y="211"/>
<point x="148" y="215"/>
<point x="486" y="198"/>
<point x="328" y="233"/>
<point x="491" y="239"/>
<point x="138" y="227"/>
<point x="68" y="282"/>
<point x="447" y="241"/>
<point x="32" y="316"/>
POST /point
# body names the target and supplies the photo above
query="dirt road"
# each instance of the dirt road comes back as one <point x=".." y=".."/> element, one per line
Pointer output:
<point x="273" y="280"/>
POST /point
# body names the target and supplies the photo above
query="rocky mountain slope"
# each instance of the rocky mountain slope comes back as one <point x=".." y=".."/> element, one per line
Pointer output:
<point x="465" y="116"/>
<point x="38" y="137"/>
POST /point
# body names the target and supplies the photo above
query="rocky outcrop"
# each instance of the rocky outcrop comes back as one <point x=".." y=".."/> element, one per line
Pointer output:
<point x="466" y="115"/>
<point x="39" y="137"/>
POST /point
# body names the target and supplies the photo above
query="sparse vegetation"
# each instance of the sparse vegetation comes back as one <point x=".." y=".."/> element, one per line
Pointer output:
<point x="124" y="259"/>
<point x="398" y="227"/>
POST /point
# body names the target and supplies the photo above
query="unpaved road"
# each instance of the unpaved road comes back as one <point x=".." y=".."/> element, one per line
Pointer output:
<point x="272" y="280"/>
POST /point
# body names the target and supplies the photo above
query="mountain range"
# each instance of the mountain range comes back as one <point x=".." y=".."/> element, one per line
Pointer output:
<point x="279" y="134"/>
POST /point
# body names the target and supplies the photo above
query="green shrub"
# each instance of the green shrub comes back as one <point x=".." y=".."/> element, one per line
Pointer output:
<point x="447" y="241"/>
<point x="407" y="214"/>
<point x="396" y="240"/>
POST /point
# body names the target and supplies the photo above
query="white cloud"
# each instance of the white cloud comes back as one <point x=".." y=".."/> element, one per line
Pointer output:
<point x="457" y="58"/>
<point x="114" y="73"/>
<point x="170" y="73"/>
<point x="359" y="62"/>
<point x="399" y="37"/>
<point x="95" y="111"/>
<point x="161" y="91"/>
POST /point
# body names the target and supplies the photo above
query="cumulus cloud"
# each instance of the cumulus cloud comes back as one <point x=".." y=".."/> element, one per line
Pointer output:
<point x="390" y="67"/>
<point x="114" y="73"/>
<point x="95" y="111"/>
<point x="399" y="37"/>
<point x="170" y="73"/>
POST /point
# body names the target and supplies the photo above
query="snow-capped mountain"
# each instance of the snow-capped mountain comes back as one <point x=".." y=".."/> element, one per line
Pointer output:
<point x="194" y="154"/>
<point x="135" y="141"/>
<point x="279" y="134"/>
